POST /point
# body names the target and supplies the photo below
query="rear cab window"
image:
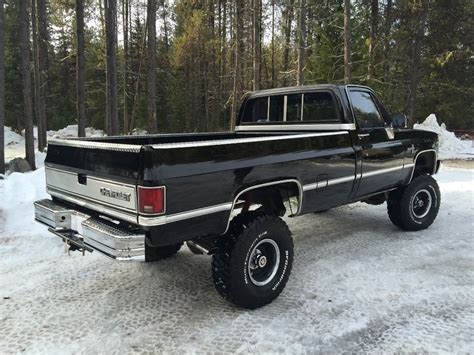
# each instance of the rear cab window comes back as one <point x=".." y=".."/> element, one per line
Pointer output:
<point x="293" y="108"/>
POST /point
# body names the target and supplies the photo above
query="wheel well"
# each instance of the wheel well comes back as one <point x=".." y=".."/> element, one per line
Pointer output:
<point x="425" y="163"/>
<point x="271" y="196"/>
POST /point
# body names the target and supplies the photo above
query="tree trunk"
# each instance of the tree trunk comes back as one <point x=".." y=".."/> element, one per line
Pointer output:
<point x="374" y="22"/>
<point x="273" y="44"/>
<point x="150" y="66"/>
<point x="301" y="42"/>
<point x="256" y="44"/>
<point x="347" y="42"/>
<point x="36" y="75"/>
<point x="141" y="59"/>
<point x="386" y="40"/>
<point x="42" y="54"/>
<point x="237" y="63"/>
<point x="125" y="11"/>
<point x="80" y="70"/>
<point x="26" y="79"/>
<point x="2" y="88"/>
<point x="414" y="73"/>
<point x="288" y="20"/>
<point x="111" y="66"/>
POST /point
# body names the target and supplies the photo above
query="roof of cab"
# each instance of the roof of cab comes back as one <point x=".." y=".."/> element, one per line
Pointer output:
<point x="296" y="89"/>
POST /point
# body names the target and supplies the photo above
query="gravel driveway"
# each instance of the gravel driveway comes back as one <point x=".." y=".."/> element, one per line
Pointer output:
<point x="358" y="285"/>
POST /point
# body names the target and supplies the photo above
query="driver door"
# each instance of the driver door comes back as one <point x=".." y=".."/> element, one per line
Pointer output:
<point x="380" y="154"/>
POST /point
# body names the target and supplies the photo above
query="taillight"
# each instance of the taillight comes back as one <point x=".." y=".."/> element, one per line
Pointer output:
<point x="151" y="200"/>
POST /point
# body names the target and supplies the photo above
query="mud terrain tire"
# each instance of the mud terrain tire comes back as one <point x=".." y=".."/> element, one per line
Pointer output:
<point x="254" y="260"/>
<point x="416" y="206"/>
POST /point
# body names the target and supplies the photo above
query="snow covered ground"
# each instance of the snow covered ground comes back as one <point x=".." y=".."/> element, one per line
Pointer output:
<point x="359" y="284"/>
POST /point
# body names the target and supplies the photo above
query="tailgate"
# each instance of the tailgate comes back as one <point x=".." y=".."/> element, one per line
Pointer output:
<point x="99" y="172"/>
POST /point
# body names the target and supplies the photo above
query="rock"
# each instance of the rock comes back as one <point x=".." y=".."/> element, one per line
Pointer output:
<point x="19" y="165"/>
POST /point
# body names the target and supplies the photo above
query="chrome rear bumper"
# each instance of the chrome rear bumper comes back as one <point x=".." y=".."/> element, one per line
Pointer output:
<point x="87" y="233"/>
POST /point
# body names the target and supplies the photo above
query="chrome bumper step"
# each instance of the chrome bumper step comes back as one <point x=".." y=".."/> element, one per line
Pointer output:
<point x="86" y="233"/>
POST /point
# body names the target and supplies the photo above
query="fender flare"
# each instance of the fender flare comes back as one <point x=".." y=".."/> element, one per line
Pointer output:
<point x="258" y="186"/>
<point x="426" y="151"/>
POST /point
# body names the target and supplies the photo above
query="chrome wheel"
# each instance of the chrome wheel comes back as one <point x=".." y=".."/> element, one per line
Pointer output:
<point x="263" y="262"/>
<point x="421" y="203"/>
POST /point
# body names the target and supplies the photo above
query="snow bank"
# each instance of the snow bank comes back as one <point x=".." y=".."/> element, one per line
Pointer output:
<point x="11" y="137"/>
<point x="71" y="131"/>
<point x="15" y="143"/>
<point x="450" y="146"/>
<point x="19" y="191"/>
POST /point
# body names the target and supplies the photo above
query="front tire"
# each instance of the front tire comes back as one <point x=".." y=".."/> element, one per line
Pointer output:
<point x="416" y="206"/>
<point x="254" y="261"/>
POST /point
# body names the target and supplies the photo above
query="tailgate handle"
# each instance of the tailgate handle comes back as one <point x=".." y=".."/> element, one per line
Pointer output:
<point x="82" y="179"/>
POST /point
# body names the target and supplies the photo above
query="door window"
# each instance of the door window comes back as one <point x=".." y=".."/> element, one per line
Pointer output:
<point x="365" y="110"/>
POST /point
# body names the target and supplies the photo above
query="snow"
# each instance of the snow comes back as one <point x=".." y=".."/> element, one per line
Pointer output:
<point x="450" y="147"/>
<point x="358" y="284"/>
<point x="15" y="143"/>
<point x="71" y="131"/>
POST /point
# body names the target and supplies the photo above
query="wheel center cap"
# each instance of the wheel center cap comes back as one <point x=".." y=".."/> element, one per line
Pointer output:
<point x="262" y="261"/>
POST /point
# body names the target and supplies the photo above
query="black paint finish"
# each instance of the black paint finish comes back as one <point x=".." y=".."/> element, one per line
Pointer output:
<point x="206" y="175"/>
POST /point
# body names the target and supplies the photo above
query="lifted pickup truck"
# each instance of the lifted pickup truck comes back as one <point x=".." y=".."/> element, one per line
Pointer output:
<point x="294" y="151"/>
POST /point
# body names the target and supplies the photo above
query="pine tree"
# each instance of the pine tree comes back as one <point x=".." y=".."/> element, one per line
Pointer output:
<point x="80" y="69"/>
<point x="24" y="20"/>
<point x="151" y="70"/>
<point x="2" y="87"/>
<point x="111" y="67"/>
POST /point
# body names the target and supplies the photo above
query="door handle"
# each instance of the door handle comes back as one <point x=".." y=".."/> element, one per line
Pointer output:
<point x="363" y="135"/>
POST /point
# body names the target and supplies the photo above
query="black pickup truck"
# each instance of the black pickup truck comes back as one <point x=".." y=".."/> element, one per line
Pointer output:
<point x="294" y="151"/>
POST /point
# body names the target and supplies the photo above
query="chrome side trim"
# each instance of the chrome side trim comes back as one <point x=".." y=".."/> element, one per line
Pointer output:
<point x="242" y="140"/>
<point x="298" y="127"/>
<point x="341" y="180"/>
<point x="279" y="182"/>
<point x="144" y="221"/>
<point x="119" y="147"/>
<point x="381" y="171"/>
<point x="309" y="187"/>
<point x="416" y="158"/>
<point x="160" y="220"/>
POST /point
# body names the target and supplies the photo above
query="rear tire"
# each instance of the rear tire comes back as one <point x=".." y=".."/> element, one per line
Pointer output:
<point x="160" y="253"/>
<point x="254" y="260"/>
<point x="416" y="206"/>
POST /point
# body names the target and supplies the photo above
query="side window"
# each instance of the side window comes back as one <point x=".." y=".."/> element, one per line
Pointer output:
<point x="365" y="110"/>
<point x="293" y="108"/>
<point x="256" y="110"/>
<point x="319" y="107"/>
<point x="276" y="108"/>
